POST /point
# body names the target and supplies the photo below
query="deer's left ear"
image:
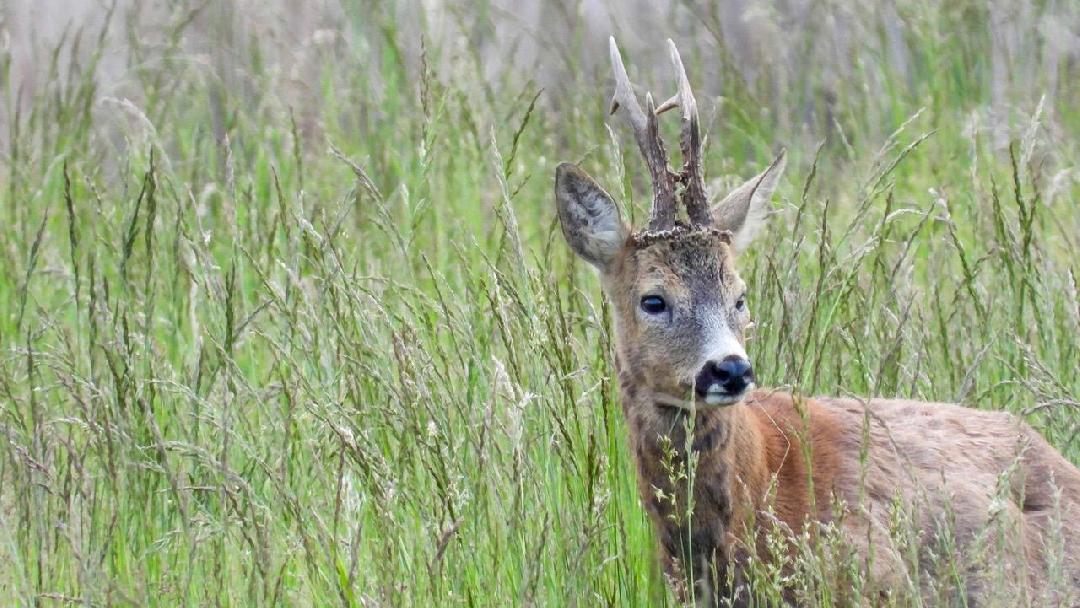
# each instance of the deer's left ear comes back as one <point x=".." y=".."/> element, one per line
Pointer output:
<point x="589" y="217"/>
<point x="743" y="210"/>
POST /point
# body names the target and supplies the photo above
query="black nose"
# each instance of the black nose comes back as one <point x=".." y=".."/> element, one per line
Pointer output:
<point x="733" y="374"/>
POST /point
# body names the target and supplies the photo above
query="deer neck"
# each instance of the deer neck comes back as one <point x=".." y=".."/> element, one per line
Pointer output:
<point x="722" y="448"/>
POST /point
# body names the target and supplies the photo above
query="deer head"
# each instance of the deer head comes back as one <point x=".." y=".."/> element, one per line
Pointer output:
<point x="679" y="305"/>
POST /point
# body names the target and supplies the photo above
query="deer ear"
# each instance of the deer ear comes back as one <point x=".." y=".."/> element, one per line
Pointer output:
<point x="743" y="210"/>
<point x="590" y="219"/>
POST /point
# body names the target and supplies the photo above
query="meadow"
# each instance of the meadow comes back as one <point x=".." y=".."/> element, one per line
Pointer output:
<point x="286" y="317"/>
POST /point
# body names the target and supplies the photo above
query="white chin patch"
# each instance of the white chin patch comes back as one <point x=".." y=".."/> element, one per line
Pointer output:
<point x="718" y="396"/>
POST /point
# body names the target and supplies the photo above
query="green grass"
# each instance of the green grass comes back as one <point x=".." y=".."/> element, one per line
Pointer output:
<point x="238" y="369"/>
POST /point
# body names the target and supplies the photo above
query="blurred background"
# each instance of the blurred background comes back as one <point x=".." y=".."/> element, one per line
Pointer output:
<point x="807" y="65"/>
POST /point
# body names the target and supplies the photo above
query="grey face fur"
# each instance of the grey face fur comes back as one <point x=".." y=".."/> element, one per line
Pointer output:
<point x="704" y="314"/>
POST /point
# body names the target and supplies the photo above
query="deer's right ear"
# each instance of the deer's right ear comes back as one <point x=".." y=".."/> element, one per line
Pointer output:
<point x="743" y="211"/>
<point x="590" y="219"/>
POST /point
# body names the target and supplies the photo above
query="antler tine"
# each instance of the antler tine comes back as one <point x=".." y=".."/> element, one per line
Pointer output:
<point x="692" y="176"/>
<point x="624" y="94"/>
<point x="648" y="140"/>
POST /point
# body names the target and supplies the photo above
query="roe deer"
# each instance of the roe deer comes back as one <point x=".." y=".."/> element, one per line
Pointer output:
<point x="766" y="460"/>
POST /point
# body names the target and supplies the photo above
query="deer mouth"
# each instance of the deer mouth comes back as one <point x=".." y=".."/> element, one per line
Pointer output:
<point x="714" y="394"/>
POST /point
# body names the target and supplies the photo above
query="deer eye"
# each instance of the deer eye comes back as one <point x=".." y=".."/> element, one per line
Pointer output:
<point x="653" y="305"/>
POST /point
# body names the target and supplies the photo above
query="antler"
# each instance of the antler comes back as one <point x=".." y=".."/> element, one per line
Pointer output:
<point x="692" y="175"/>
<point x="648" y="139"/>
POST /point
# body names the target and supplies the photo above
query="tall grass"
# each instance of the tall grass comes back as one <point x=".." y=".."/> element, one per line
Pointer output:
<point x="291" y="322"/>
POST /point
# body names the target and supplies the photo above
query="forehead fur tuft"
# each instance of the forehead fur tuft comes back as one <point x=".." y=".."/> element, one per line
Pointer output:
<point x="680" y="233"/>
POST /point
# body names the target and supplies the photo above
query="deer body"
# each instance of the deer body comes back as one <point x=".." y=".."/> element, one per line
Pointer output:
<point x="940" y="458"/>
<point x="723" y="468"/>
